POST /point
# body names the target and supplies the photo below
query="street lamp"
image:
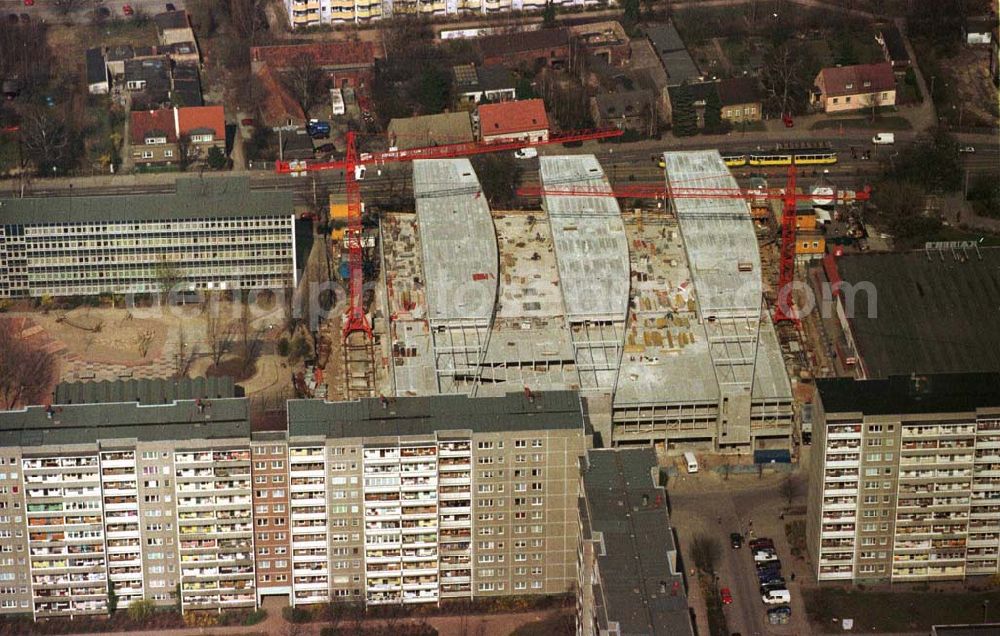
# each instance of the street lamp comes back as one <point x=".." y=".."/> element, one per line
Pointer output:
<point x="986" y="609"/>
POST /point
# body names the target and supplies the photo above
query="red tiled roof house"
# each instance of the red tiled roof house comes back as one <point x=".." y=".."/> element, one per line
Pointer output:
<point x="153" y="137"/>
<point x="847" y="88"/>
<point x="154" y="134"/>
<point x="514" y="120"/>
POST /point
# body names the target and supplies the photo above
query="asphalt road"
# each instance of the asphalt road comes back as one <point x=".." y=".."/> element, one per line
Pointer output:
<point x="623" y="164"/>
<point x="48" y="10"/>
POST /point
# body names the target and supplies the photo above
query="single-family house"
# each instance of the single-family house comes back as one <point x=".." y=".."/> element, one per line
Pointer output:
<point x="741" y="100"/>
<point x="893" y="47"/>
<point x="159" y="136"/>
<point x="97" y="73"/>
<point x="518" y="120"/>
<point x="154" y="137"/>
<point x="174" y="27"/>
<point x="634" y="110"/>
<point x="202" y="127"/>
<point x="430" y="130"/>
<point x="488" y="83"/>
<point x="847" y="88"/>
<point x="545" y="47"/>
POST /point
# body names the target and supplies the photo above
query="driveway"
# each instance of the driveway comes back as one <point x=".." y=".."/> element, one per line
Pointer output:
<point x="705" y="503"/>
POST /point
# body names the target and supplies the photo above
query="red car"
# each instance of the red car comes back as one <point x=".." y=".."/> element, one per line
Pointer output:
<point x="127" y="9"/>
<point x="726" y="595"/>
<point x="787" y="118"/>
<point x="29" y="3"/>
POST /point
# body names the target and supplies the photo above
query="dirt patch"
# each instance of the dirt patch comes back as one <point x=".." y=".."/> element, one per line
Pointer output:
<point x="110" y="336"/>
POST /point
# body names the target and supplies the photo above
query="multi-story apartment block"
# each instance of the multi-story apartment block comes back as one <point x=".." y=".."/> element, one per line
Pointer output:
<point x="302" y="13"/>
<point x="628" y="576"/>
<point x="905" y="478"/>
<point x="158" y="491"/>
<point x="209" y="234"/>
<point x="424" y="499"/>
<point x="144" y="498"/>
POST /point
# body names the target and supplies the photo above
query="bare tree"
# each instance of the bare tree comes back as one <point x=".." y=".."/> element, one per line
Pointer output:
<point x="218" y="330"/>
<point x="782" y="77"/>
<point x="789" y="489"/>
<point x="705" y="552"/>
<point x="46" y="139"/>
<point x="247" y="17"/>
<point x="25" y="371"/>
<point x="306" y="82"/>
<point x="168" y="275"/>
<point x="288" y="309"/>
<point x="250" y="337"/>
<point x="185" y="353"/>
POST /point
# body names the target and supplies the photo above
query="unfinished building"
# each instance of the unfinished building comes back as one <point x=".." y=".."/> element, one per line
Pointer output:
<point x="702" y="365"/>
<point x="661" y="316"/>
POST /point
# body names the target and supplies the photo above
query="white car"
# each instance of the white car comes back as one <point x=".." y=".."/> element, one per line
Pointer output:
<point x="526" y="153"/>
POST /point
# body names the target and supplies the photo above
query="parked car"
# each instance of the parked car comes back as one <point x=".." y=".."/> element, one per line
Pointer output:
<point x="526" y="153"/>
<point x="171" y="7"/>
<point x="318" y="129"/>
<point x="779" y="615"/>
<point x="736" y="540"/>
<point x="759" y="556"/>
<point x="247" y="121"/>
<point x="103" y="12"/>
<point x="12" y="18"/>
<point x="787" y="119"/>
<point x="762" y="543"/>
<point x="775" y="584"/>
<point x="967" y="149"/>
<point x="325" y="148"/>
<point x="776" y="597"/>
<point x="25" y="18"/>
<point x="726" y="595"/>
<point x="29" y="3"/>
<point x="127" y="9"/>
<point x="772" y="564"/>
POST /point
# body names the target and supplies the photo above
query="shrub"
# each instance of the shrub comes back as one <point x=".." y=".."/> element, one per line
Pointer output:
<point x="141" y="610"/>
<point x="296" y="615"/>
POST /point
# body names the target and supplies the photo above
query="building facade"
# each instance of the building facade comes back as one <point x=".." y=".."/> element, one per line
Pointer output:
<point x="859" y="87"/>
<point x="211" y="234"/>
<point x="303" y="13"/>
<point x="406" y="500"/>
<point x="905" y="479"/>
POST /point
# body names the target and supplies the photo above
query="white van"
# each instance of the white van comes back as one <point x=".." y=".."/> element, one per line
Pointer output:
<point x="884" y="139"/>
<point x="777" y="597"/>
<point x="526" y="153"/>
<point x="692" y="462"/>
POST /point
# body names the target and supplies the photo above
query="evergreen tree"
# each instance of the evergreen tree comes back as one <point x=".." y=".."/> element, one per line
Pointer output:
<point x="685" y="119"/>
<point x="713" y="114"/>
<point x="631" y="8"/>
<point x="549" y="15"/>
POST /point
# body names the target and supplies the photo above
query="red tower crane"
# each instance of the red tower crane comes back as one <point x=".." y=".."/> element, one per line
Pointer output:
<point x="784" y="309"/>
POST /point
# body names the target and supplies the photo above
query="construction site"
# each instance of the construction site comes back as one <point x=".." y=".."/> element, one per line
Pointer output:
<point x="656" y="314"/>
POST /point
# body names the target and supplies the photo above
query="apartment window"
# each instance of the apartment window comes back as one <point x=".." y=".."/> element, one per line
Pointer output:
<point x="147" y="154"/>
<point x="874" y="442"/>
<point x="520" y="443"/>
<point x="168" y="154"/>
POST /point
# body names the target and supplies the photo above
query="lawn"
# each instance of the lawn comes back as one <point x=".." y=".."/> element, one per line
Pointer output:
<point x="894" y="611"/>
<point x="891" y="122"/>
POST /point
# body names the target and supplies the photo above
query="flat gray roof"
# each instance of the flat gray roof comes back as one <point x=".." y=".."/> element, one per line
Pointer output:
<point x="39" y="426"/>
<point x="927" y="311"/>
<point x="425" y="415"/>
<point x="639" y="551"/>
<point x="589" y="237"/>
<point x="673" y="54"/>
<point x="147" y="391"/>
<point x="457" y="241"/>
<point x="194" y="198"/>
<point x="718" y="236"/>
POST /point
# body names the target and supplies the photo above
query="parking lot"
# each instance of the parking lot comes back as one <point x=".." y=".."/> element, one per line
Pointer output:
<point x="705" y="503"/>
